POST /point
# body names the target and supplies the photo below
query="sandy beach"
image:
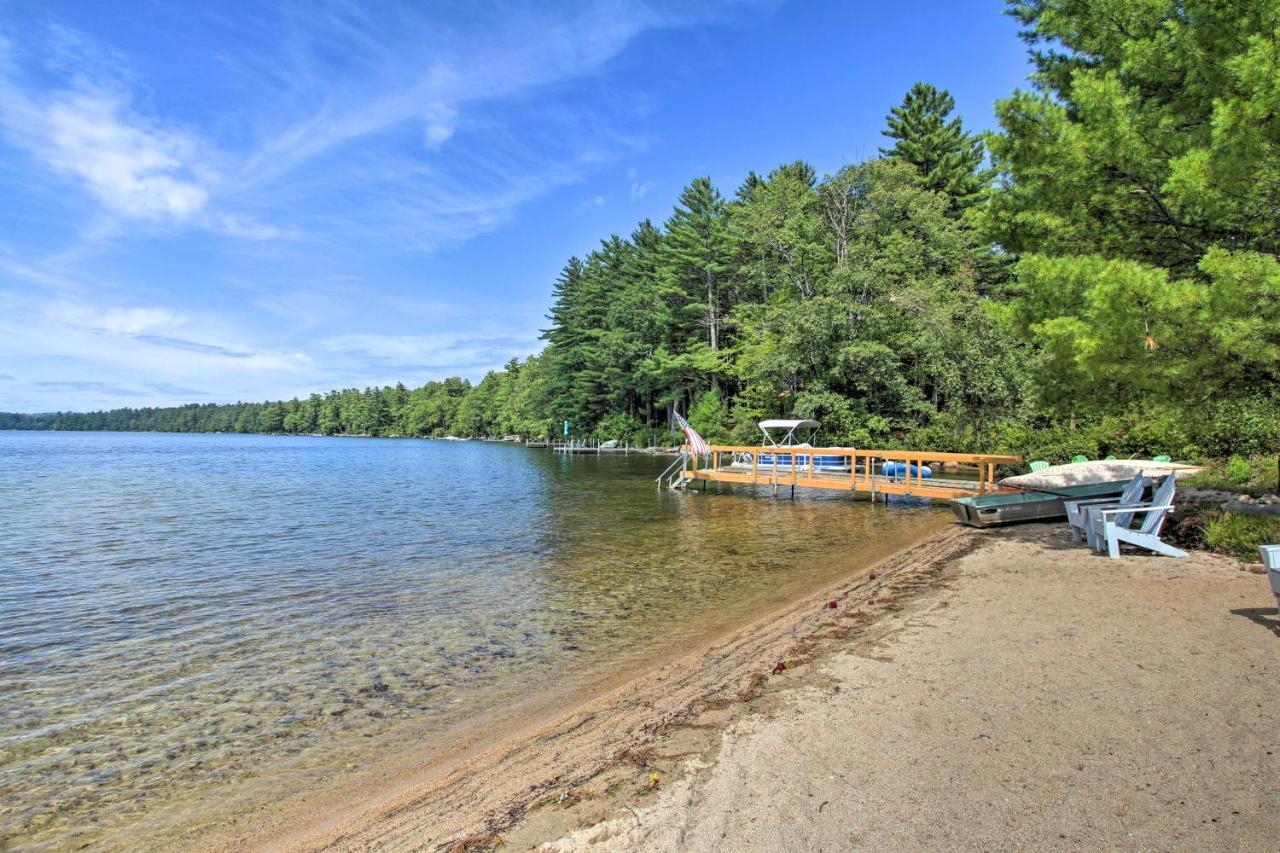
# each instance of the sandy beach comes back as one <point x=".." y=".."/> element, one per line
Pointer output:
<point x="997" y="689"/>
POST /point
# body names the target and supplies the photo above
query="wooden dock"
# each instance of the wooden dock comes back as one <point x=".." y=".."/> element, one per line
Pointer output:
<point x="954" y="475"/>
<point x="574" y="446"/>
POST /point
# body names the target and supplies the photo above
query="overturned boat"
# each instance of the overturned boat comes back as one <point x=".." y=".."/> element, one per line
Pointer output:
<point x="1040" y="495"/>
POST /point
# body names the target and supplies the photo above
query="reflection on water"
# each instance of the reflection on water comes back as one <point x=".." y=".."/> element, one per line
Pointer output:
<point x="179" y="611"/>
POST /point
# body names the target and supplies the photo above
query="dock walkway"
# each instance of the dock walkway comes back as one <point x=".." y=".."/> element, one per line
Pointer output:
<point x="962" y="474"/>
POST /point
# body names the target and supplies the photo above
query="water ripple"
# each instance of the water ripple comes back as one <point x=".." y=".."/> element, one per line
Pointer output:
<point x="181" y="612"/>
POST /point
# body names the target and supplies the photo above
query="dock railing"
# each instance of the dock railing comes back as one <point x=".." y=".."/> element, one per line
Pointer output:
<point x="673" y="475"/>
<point x="952" y="475"/>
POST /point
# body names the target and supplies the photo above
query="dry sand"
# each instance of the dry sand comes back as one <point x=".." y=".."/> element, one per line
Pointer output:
<point x="986" y="690"/>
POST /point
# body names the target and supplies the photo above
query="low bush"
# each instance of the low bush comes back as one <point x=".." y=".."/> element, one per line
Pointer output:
<point x="1237" y="470"/>
<point x="1256" y="475"/>
<point x="1239" y="535"/>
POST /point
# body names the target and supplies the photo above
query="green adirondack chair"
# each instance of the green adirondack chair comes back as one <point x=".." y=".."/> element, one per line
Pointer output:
<point x="1038" y="465"/>
<point x="1161" y="459"/>
<point x="1079" y="457"/>
<point x="1110" y="457"/>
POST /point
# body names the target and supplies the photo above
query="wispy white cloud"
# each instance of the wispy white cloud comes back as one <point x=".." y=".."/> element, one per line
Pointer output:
<point x="168" y="389"/>
<point x="150" y="341"/>
<point x="435" y="355"/>
<point x="130" y="165"/>
<point x="638" y="189"/>
<point x="122" y="321"/>
<point x="330" y="80"/>
<point x="441" y="123"/>
<point x="108" y="388"/>
<point x="342" y="130"/>
<point x="248" y="228"/>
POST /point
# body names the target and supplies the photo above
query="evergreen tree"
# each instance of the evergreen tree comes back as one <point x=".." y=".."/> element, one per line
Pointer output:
<point x="1141" y="184"/>
<point x="947" y="157"/>
<point x="697" y="251"/>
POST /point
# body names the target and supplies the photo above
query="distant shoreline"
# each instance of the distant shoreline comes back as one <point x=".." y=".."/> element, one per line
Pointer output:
<point x="635" y="451"/>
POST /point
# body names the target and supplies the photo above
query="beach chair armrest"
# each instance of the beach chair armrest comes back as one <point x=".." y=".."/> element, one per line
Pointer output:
<point x="1121" y="510"/>
<point x="1091" y="502"/>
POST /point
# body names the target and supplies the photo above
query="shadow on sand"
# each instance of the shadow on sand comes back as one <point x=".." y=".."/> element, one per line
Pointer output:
<point x="1053" y="535"/>
<point x="1267" y="617"/>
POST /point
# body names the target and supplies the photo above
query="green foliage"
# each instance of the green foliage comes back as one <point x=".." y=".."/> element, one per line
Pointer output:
<point x="1151" y="136"/>
<point x="1245" y="425"/>
<point x="1239" y="535"/>
<point x="710" y="416"/>
<point x="620" y="426"/>
<point x="1141" y="184"/>
<point x="1255" y="475"/>
<point x="947" y="158"/>
<point x="1237" y="471"/>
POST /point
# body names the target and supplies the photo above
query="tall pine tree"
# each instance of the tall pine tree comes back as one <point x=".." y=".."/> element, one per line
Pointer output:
<point x="947" y="157"/>
<point x="698" y="250"/>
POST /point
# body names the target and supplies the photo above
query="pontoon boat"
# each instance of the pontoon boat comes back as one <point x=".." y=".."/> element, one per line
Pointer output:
<point x="782" y="435"/>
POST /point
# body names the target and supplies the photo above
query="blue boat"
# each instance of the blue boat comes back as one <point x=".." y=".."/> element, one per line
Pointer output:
<point x="821" y="462"/>
<point x="783" y="441"/>
<point x="899" y="470"/>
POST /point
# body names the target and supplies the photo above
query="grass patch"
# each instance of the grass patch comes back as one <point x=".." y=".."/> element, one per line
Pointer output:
<point x="1239" y="535"/>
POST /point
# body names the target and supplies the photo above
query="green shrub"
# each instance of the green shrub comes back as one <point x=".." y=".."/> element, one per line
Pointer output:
<point x="710" y="417"/>
<point x="1237" y="471"/>
<point x="1243" y="427"/>
<point x="1054" y="444"/>
<point x="1255" y="475"/>
<point x="1147" y="433"/>
<point x="1239" y="535"/>
<point x="620" y="427"/>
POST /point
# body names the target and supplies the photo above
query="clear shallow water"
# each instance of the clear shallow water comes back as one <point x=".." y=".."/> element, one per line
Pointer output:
<point x="184" y="613"/>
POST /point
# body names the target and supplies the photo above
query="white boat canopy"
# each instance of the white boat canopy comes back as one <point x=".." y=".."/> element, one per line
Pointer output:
<point x="788" y="429"/>
<point x="789" y="425"/>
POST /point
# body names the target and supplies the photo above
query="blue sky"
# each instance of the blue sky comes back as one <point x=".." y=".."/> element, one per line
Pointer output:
<point x="243" y="201"/>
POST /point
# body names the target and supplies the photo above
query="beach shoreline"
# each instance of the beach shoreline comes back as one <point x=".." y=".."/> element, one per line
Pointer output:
<point x="484" y="782"/>
<point x="649" y="763"/>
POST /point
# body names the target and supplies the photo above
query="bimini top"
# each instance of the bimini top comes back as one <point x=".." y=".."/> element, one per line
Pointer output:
<point x="788" y="425"/>
<point x="788" y="429"/>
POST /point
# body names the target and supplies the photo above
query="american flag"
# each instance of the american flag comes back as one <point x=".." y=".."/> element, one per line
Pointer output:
<point x="697" y="444"/>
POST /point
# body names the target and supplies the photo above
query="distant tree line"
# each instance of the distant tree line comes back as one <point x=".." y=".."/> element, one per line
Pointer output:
<point x="500" y="404"/>
<point x="1099" y="275"/>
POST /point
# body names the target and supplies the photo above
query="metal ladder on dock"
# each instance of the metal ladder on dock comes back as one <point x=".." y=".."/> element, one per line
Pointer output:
<point x="673" y="476"/>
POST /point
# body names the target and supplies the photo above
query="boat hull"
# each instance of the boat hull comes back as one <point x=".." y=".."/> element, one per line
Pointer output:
<point x="820" y="463"/>
<point x="1000" y="508"/>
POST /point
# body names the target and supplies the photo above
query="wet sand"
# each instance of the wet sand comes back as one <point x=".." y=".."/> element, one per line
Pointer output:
<point x="978" y="690"/>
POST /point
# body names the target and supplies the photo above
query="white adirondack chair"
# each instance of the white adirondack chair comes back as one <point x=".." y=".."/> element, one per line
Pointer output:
<point x="1077" y="511"/>
<point x="1145" y="535"/>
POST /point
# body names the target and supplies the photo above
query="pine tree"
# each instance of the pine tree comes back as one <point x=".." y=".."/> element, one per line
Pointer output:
<point x="947" y="157"/>
<point x="698" y="249"/>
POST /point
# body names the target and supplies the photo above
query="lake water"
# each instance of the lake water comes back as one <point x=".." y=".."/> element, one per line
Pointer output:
<point x="184" y="618"/>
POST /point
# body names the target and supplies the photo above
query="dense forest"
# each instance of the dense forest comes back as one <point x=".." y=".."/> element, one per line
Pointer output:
<point x="1100" y="275"/>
